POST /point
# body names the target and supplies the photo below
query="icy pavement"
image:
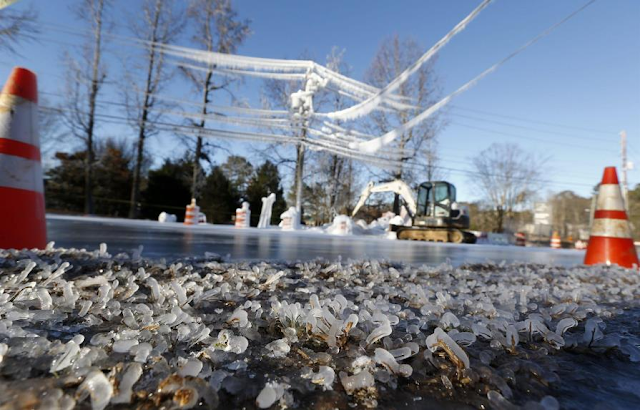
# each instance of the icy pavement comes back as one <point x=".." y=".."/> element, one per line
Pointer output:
<point x="173" y="240"/>
<point x="90" y="330"/>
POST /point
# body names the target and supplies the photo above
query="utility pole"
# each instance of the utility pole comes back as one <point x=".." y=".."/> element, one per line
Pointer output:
<point x="302" y="109"/>
<point x="625" y="166"/>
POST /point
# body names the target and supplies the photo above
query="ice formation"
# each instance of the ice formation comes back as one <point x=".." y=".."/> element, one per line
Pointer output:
<point x="85" y="326"/>
<point x="165" y="217"/>
<point x="342" y="225"/>
<point x="265" y="211"/>
<point x="290" y="220"/>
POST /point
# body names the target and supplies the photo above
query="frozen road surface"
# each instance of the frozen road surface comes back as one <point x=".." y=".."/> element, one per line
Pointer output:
<point x="175" y="240"/>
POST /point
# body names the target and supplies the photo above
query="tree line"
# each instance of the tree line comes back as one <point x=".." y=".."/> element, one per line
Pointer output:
<point x="166" y="188"/>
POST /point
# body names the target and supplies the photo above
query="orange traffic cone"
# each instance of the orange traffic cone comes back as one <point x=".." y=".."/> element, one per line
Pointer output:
<point x="610" y="240"/>
<point x="22" y="218"/>
<point x="556" y="242"/>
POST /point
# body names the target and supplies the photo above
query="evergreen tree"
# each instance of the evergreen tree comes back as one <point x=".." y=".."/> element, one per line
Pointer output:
<point x="219" y="197"/>
<point x="239" y="172"/>
<point x="168" y="189"/>
<point x="265" y="181"/>
<point x="65" y="182"/>
<point x="113" y="178"/>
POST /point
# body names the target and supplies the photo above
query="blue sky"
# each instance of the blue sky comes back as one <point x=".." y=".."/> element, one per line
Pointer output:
<point x="584" y="78"/>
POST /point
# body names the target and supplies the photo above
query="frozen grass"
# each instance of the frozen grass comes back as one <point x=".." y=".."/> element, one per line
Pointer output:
<point x="90" y="329"/>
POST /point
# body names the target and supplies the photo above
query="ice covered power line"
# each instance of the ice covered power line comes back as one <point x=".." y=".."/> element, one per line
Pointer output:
<point x="229" y="64"/>
<point x="377" y="143"/>
<point x="367" y="106"/>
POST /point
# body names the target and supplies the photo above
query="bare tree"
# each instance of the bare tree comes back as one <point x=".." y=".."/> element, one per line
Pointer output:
<point x="334" y="174"/>
<point x="276" y="94"/>
<point x="85" y="78"/>
<point x="160" y="24"/>
<point x="17" y="26"/>
<point x="217" y="28"/>
<point x="421" y="90"/>
<point x="506" y="177"/>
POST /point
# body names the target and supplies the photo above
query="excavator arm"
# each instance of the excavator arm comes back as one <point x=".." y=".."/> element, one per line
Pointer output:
<point x="399" y="187"/>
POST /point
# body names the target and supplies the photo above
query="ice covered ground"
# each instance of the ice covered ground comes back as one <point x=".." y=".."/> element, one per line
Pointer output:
<point x="89" y="329"/>
<point x="174" y="240"/>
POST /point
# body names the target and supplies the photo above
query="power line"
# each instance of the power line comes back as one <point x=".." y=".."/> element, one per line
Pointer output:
<point x="511" y="117"/>
<point x="377" y="143"/>
<point x="523" y="137"/>
<point x="532" y="129"/>
<point x="190" y="130"/>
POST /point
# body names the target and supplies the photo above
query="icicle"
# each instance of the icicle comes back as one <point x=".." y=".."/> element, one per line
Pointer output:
<point x="98" y="387"/>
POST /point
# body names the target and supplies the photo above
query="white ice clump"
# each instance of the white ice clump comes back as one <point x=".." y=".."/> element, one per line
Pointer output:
<point x="357" y="381"/>
<point x="449" y="320"/>
<point x="98" y="387"/>
<point x="386" y="359"/>
<point x="129" y="378"/>
<point x="383" y="329"/>
<point x="124" y="346"/>
<point x="565" y="324"/>
<point x="69" y="355"/>
<point x="227" y="342"/>
<point x="191" y="367"/>
<point x="3" y="351"/>
<point x="323" y="377"/>
<point x="271" y="393"/>
<point x="141" y="352"/>
<point x="278" y="348"/>
<point x="440" y="340"/>
<point x="239" y="318"/>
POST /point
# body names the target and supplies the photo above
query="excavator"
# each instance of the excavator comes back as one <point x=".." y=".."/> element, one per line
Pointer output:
<point x="435" y="216"/>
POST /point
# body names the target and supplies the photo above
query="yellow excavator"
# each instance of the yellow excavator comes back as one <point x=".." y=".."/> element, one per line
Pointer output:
<point x="435" y="215"/>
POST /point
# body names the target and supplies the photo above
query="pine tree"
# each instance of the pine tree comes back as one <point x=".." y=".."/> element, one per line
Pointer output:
<point x="168" y="189"/>
<point x="113" y="176"/>
<point x="219" y="197"/>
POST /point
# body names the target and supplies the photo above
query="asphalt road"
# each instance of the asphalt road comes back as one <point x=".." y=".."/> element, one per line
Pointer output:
<point x="173" y="241"/>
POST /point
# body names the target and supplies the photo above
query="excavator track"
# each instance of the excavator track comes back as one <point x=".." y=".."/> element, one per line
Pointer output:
<point x="435" y="235"/>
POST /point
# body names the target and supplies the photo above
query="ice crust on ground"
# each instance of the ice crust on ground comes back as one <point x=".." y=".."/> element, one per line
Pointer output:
<point x="88" y="328"/>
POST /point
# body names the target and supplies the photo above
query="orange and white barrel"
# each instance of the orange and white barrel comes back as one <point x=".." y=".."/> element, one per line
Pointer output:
<point x="520" y="239"/>
<point x="243" y="216"/>
<point x="22" y="215"/>
<point x="287" y="223"/>
<point x="192" y="213"/>
<point x="610" y="241"/>
<point x="556" y="242"/>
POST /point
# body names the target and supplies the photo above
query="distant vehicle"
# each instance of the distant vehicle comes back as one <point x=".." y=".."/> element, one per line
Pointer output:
<point x="435" y="216"/>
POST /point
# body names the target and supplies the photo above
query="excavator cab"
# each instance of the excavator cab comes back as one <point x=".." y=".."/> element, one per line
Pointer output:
<point x="437" y="207"/>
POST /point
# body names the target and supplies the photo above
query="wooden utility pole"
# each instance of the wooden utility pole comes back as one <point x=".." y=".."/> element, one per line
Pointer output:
<point x="300" y="171"/>
<point x="97" y="15"/>
<point x="625" y="166"/>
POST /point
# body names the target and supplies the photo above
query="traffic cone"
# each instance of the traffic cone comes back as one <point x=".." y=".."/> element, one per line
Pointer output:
<point x="610" y="240"/>
<point x="556" y="242"/>
<point x="22" y="217"/>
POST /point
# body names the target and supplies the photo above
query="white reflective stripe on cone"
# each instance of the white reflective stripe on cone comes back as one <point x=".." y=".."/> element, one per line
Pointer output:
<point x="19" y="122"/>
<point x="20" y="173"/>
<point x="610" y="198"/>
<point x="612" y="228"/>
